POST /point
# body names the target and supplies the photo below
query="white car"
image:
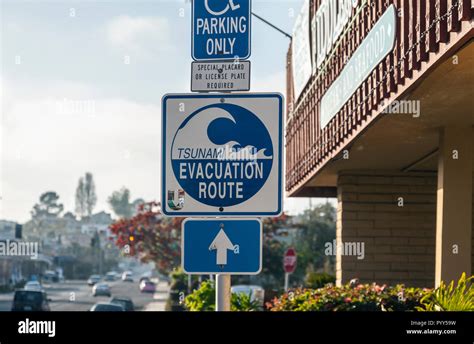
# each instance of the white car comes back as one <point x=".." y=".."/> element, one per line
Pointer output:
<point x="256" y="292"/>
<point x="127" y="276"/>
<point x="107" y="307"/>
<point x="101" y="289"/>
<point x="34" y="286"/>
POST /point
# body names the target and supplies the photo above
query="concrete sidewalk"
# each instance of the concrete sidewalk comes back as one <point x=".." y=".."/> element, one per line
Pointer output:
<point x="159" y="299"/>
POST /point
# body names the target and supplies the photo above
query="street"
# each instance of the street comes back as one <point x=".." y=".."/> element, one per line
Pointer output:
<point x="77" y="296"/>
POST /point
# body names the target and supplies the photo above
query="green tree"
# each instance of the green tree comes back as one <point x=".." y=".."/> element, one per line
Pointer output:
<point x="318" y="227"/>
<point x="86" y="197"/>
<point x="272" y="276"/>
<point x="136" y="205"/>
<point x="273" y="251"/>
<point x="120" y="203"/>
<point x="48" y="206"/>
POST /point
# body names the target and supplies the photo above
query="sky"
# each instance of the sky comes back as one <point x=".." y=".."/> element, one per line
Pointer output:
<point x="81" y="87"/>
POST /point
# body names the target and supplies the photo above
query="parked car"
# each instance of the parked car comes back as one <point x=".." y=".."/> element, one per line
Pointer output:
<point x="107" y="307"/>
<point x="52" y="276"/>
<point x="256" y="292"/>
<point x="127" y="276"/>
<point x="147" y="287"/>
<point x="144" y="278"/>
<point x="110" y="276"/>
<point x="101" y="289"/>
<point x="30" y="300"/>
<point x="125" y="302"/>
<point x="93" y="279"/>
<point x="34" y="286"/>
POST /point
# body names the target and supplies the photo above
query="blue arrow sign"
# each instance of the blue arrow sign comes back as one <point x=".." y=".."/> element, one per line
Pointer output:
<point x="229" y="246"/>
<point x="221" y="29"/>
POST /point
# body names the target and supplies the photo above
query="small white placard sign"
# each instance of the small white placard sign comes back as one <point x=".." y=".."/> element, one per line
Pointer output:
<point x="221" y="76"/>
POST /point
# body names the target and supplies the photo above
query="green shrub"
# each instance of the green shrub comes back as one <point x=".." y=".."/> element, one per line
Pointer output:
<point x="363" y="297"/>
<point x="241" y="302"/>
<point x="450" y="297"/>
<point x="204" y="299"/>
<point x="8" y="288"/>
<point x="178" y="277"/>
<point x="5" y="288"/>
<point x="178" y="287"/>
<point x="201" y="299"/>
<point x="315" y="280"/>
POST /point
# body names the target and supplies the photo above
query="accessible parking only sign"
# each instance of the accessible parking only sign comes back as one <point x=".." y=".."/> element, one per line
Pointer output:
<point x="222" y="154"/>
<point x="221" y="29"/>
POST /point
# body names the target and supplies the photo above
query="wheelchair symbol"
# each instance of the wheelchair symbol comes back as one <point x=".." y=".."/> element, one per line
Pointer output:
<point x="230" y="5"/>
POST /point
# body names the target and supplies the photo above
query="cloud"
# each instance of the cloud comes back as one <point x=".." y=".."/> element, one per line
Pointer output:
<point x="139" y="35"/>
<point x="274" y="82"/>
<point x="54" y="135"/>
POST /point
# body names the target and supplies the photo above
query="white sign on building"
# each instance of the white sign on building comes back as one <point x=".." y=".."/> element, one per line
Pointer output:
<point x="301" y="51"/>
<point x="327" y="25"/>
<point x="378" y="43"/>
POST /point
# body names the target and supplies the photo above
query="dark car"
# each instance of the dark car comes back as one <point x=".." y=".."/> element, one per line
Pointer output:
<point x="51" y="276"/>
<point x="125" y="302"/>
<point x="30" y="300"/>
<point x="106" y="307"/>
<point x="110" y="276"/>
<point x="94" y="279"/>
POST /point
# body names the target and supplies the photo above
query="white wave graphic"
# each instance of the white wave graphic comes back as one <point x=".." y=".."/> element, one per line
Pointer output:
<point x="194" y="138"/>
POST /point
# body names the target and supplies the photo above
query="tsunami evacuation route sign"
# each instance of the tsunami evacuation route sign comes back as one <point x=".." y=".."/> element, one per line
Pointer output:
<point x="222" y="154"/>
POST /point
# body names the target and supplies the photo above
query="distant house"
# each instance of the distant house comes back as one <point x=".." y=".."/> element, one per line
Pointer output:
<point x="71" y="224"/>
<point x="69" y="216"/>
<point x="99" y="222"/>
<point x="101" y="218"/>
<point x="7" y="229"/>
<point x="81" y="239"/>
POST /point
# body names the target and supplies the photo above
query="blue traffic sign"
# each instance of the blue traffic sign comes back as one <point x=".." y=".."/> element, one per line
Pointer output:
<point x="221" y="29"/>
<point x="228" y="246"/>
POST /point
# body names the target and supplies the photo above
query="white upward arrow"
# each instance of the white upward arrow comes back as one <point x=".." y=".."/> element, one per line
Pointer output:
<point x="221" y="243"/>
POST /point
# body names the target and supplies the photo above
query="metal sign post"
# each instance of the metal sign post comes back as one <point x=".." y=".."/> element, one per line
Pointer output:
<point x="287" y="278"/>
<point x="223" y="293"/>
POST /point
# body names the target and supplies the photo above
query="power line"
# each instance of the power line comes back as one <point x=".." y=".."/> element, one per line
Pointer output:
<point x="273" y="26"/>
